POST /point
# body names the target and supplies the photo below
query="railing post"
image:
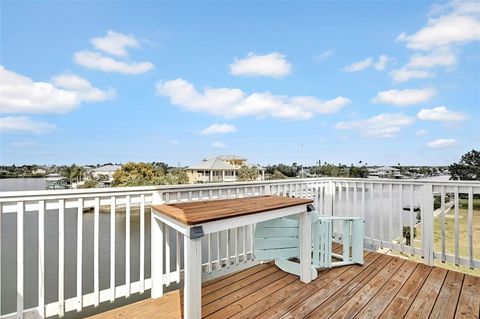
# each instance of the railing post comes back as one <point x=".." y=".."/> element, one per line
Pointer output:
<point x="427" y="221"/>
<point x="157" y="235"/>
<point x="328" y="204"/>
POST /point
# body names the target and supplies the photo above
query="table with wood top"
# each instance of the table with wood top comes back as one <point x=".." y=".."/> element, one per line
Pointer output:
<point x="196" y="219"/>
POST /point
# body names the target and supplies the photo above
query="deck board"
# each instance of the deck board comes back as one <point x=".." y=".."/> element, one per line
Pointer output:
<point x="469" y="303"/>
<point x="400" y="304"/>
<point x="384" y="287"/>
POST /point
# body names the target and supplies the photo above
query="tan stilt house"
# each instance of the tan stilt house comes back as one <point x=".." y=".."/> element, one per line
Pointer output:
<point x="222" y="168"/>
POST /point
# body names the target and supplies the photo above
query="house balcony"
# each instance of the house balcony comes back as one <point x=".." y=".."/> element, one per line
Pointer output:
<point x="86" y="252"/>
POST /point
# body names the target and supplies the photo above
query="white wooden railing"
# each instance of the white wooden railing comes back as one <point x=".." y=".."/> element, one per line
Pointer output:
<point x="381" y="203"/>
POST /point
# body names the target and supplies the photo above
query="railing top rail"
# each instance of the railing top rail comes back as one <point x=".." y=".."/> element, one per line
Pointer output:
<point x="137" y="190"/>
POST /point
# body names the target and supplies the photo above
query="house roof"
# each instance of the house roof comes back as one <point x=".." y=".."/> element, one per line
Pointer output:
<point x="107" y="168"/>
<point x="228" y="157"/>
<point x="387" y="168"/>
<point x="215" y="163"/>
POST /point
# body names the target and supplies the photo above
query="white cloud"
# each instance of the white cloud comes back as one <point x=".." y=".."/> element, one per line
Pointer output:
<point x="84" y="89"/>
<point x="405" y="74"/>
<point x="440" y="113"/>
<point x="98" y="61"/>
<point x="404" y="97"/>
<point x="367" y="63"/>
<point x="218" y="129"/>
<point x="359" y="66"/>
<point x="442" y="143"/>
<point x="381" y="63"/>
<point x="23" y="124"/>
<point x="421" y="132"/>
<point x="444" y="31"/>
<point x="218" y="145"/>
<point x="451" y="24"/>
<point x="323" y="56"/>
<point x="380" y="126"/>
<point x="231" y="103"/>
<point x="20" y="94"/>
<point x="433" y="59"/>
<point x="115" y="43"/>
<point x="272" y="65"/>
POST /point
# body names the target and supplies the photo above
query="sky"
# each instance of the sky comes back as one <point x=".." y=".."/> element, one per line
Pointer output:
<point x="275" y="82"/>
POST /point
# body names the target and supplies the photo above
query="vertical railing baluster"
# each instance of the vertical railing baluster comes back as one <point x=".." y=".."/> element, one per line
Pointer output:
<point x="457" y="229"/>
<point x="112" y="248"/>
<point x="390" y="216"/>
<point x="167" y="255"/>
<point x="41" y="259"/>
<point x="177" y="254"/>
<point x="347" y="199"/>
<point x="470" y="226"/>
<point x="61" y="258"/>
<point x="96" y="282"/>
<point x="355" y="199"/>
<point x="412" y="231"/>
<point x="235" y="233"/>
<point x="79" y="254"/>
<point x="20" y="294"/>
<point x="227" y="247"/>
<point x="127" y="246"/>
<point x="442" y="221"/>
<point x="219" y="253"/>
<point x="179" y="197"/>
<point x="142" y="243"/>
<point x="372" y="213"/>
<point x="244" y="243"/>
<point x="400" y="223"/>
<point x="382" y="215"/>
<point x="209" y="251"/>
<point x="252" y="236"/>
<point x="340" y="200"/>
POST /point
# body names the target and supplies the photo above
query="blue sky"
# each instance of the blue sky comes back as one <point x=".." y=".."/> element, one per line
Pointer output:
<point x="276" y="82"/>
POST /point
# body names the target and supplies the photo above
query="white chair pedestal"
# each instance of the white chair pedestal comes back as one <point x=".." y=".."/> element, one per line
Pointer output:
<point x="278" y="240"/>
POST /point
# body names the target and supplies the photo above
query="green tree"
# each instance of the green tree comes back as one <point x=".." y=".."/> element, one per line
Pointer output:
<point x="277" y="175"/>
<point x="176" y="176"/>
<point x="468" y="168"/>
<point x="359" y="172"/>
<point x="137" y="174"/>
<point x="91" y="183"/>
<point x="142" y="174"/>
<point x="246" y="173"/>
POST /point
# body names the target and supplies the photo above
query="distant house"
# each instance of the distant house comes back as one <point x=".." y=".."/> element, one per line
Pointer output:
<point x="384" y="172"/>
<point x="104" y="174"/>
<point x="39" y="171"/>
<point x="222" y="168"/>
<point x="56" y="181"/>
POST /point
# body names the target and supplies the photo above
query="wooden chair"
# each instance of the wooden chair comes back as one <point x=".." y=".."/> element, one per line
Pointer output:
<point x="277" y="240"/>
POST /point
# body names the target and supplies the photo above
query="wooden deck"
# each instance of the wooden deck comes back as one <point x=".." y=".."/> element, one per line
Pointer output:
<point x="384" y="287"/>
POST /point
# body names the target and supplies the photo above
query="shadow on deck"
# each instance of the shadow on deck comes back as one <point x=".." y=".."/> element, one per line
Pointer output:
<point x="384" y="287"/>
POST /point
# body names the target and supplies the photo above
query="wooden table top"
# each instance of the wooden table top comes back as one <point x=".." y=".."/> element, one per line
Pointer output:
<point x="193" y="213"/>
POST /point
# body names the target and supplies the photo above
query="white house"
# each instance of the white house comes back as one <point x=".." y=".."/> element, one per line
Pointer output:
<point x="222" y="168"/>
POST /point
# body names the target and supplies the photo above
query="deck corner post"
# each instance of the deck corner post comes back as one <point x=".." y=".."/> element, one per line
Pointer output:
<point x="192" y="304"/>
<point x="157" y="256"/>
<point x="428" y="225"/>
